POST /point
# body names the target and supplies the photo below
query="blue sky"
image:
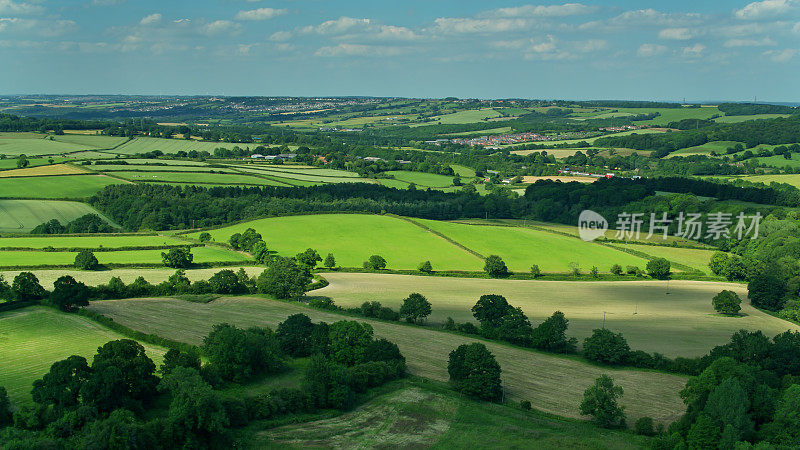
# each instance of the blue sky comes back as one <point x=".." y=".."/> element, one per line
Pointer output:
<point x="698" y="50"/>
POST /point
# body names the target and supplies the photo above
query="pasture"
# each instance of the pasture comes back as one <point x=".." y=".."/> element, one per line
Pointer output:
<point x="34" y="258"/>
<point x="38" y="171"/>
<point x="34" y="338"/>
<point x="352" y="238"/>
<point x="522" y="247"/>
<point x="552" y="383"/>
<point x="54" y="187"/>
<point x="563" y="179"/>
<point x="21" y="216"/>
<point x="196" y="178"/>
<point x="148" y="144"/>
<point x="736" y="119"/>
<point x="674" y="318"/>
<point x="718" y="147"/>
<point x="11" y="163"/>
<point x="100" y="240"/>
<point x="467" y="116"/>
<point x="695" y="258"/>
<point x="422" y="179"/>
<point x="33" y="144"/>
<point x="792" y="179"/>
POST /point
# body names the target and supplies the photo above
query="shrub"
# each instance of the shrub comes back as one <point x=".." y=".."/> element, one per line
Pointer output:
<point x="727" y="302"/>
<point x="322" y="303"/>
<point x="616" y="269"/>
<point x="85" y="260"/>
<point x="375" y="262"/>
<point x="658" y="268"/>
<point x="632" y="270"/>
<point x="594" y="272"/>
<point x="525" y="405"/>
<point x="606" y="347"/>
<point x="766" y="291"/>
<point x="204" y="236"/>
<point x="425" y="267"/>
<point x="600" y="402"/>
<point x="474" y="371"/>
<point x="644" y="426"/>
<point x="535" y="271"/>
<point x="330" y="261"/>
<point x="178" y="257"/>
<point x="495" y="267"/>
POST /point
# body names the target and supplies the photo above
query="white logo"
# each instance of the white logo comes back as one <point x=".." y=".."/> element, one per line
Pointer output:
<point x="591" y="225"/>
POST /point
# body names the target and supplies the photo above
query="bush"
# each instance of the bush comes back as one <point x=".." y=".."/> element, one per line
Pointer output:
<point x="495" y="267"/>
<point x="226" y="282"/>
<point x="633" y="270"/>
<point x="415" y="308"/>
<point x="606" y="347"/>
<point x="375" y="262"/>
<point x="26" y="287"/>
<point x="535" y="271"/>
<point x="600" y="402"/>
<point x="322" y="303"/>
<point x="525" y="405"/>
<point x="425" y="267"/>
<point x="474" y="371"/>
<point x="658" y="268"/>
<point x="727" y="302"/>
<point x="284" y="278"/>
<point x="85" y="260"/>
<point x="766" y="291"/>
<point x="594" y="272"/>
<point x="178" y="257"/>
<point x="616" y="269"/>
<point x="330" y="261"/>
<point x="644" y="426"/>
<point x="204" y="236"/>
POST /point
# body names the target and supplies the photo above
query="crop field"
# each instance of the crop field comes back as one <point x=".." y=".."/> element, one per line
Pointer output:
<point x="674" y="318"/>
<point x="735" y="119"/>
<point x="520" y="247"/>
<point x="417" y="416"/>
<point x="307" y="176"/>
<point x="148" y="144"/>
<point x="780" y="161"/>
<point x="667" y="115"/>
<point x="70" y="186"/>
<point x="15" y="144"/>
<point x="169" y="162"/>
<point x="551" y="383"/>
<point x="287" y="170"/>
<point x="127" y="275"/>
<point x="11" y="163"/>
<point x="56" y="169"/>
<point x="352" y="238"/>
<point x="11" y="258"/>
<point x="718" y="147"/>
<point x="154" y="168"/>
<point x="694" y="258"/>
<point x="216" y="178"/>
<point x="21" y="216"/>
<point x="563" y="179"/>
<point x="100" y="240"/>
<point x="422" y="179"/>
<point x="34" y="338"/>
<point x="792" y="179"/>
<point x="88" y="141"/>
<point x="468" y="116"/>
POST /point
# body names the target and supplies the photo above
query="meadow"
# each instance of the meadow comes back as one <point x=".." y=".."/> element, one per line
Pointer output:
<point x="792" y="179"/>
<point x="310" y="176"/>
<point x="96" y="241"/>
<point x="21" y="216"/>
<point x="552" y="383"/>
<point x="695" y="258"/>
<point x="667" y="115"/>
<point x="148" y="144"/>
<point x="38" y="171"/>
<point x="422" y="179"/>
<point x="35" y="337"/>
<point x="34" y="258"/>
<point x="352" y="238"/>
<point x="467" y="116"/>
<point x="199" y="178"/>
<point x="736" y="119"/>
<point x="674" y="318"/>
<point x="55" y="187"/>
<point x="718" y="147"/>
<point x="14" y="144"/>
<point x="521" y="247"/>
<point x="11" y="163"/>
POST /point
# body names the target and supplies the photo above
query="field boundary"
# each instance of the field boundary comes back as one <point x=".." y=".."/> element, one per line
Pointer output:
<point x="682" y="267"/>
<point x="443" y="236"/>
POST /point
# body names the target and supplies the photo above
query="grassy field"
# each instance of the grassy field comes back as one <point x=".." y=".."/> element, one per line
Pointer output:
<point x="11" y="163"/>
<point x="329" y="176"/>
<point x="719" y="147"/>
<point x="780" y="161"/>
<point x="182" y="177"/>
<point x="70" y="186"/>
<point x="551" y="383"/>
<point x="88" y="141"/>
<point x="695" y="258"/>
<point x="10" y="258"/>
<point x="422" y="179"/>
<point x="521" y="247"/>
<point x="667" y="115"/>
<point x="34" y="338"/>
<point x="154" y="168"/>
<point x="419" y="416"/>
<point x="55" y="169"/>
<point x="14" y="144"/>
<point x="107" y="241"/>
<point x="93" y="278"/>
<point x="352" y="238"/>
<point x="468" y="116"/>
<point x="792" y="179"/>
<point x="148" y="144"/>
<point x="736" y="119"/>
<point x="21" y="216"/>
<point x="674" y="318"/>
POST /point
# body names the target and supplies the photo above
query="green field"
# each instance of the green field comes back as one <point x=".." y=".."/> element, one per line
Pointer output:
<point x="463" y="171"/>
<point x="521" y="247"/>
<point x="71" y="186"/>
<point x="421" y="416"/>
<point x="551" y="383"/>
<point x="11" y="163"/>
<point x="674" y="318"/>
<point x="422" y="179"/>
<point x="153" y="162"/>
<point x="736" y="119"/>
<point x="200" y="178"/>
<point x="780" y="161"/>
<point x="792" y="179"/>
<point x="148" y="144"/>
<point x="13" y="144"/>
<point x="107" y="241"/>
<point x="719" y="147"/>
<point x="468" y="116"/>
<point x="34" y="338"/>
<point x="667" y="115"/>
<point x="588" y="140"/>
<point x="21" y="216"/>
<point x="154" y="168"/>
<point x="91" y="141"/>
<point x="352" y="238"/>
<point x="695" y="258"/>
<point x="11" y="258"/>
<point x="308" y="176"/>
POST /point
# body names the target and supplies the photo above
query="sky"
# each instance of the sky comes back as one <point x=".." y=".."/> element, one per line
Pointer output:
<point x="700" y="50"/>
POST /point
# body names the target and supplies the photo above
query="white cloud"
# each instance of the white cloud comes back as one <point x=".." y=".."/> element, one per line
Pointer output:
<point x="592" y="45"/>
<point x="694" y="50"/>
<point x="676" y="34"/>
<point x="796" y="28"/>
<point x="107" y="2"/>
<point x="12" y="7"/>
<point x="47" y="28"/>
<point x="360" y="50"/>
<point x="150" y="19"/>
<point x="338" y="26"/>
<point x="260" y="14"/>
<point x="219" y="27"/>
<point x="651" y="16"/>
<point x="764" y="9"/>
<point x="453" y="25"/>
<point x="391" y="32"/>
<point x="781" y="56"/>
<point x="649" y="50"/>
<point x="749" y="42"/>
<point x="280" y="36"/>
<point x="567" y="9"/>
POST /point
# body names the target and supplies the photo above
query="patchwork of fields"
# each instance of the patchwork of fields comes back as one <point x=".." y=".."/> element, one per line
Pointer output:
<point x="21" y="216"/>
<point x="58" y="186"/>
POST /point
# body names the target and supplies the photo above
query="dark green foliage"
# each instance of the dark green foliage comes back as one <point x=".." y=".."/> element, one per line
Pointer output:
<point x="26" y="287"/>
<point x="5" y="289"/>
<point x="785" y="428"/>
<point x="245" y="241"/>
<point x="122" y="376"/>
<point x="5" y="408"/>
<point x="61" y="386"/>
<point x="383" y="350"/>
<point x="68" y="294"/>
<point x="658" y="268"/>
<point x="204" y="236"/>
<point x="377" y="311"/>
<point x="704" y="433"/>
<point x="178" y="257"/>
<point x="294" y="335"/>
<point x="644" y="426"/>
<point x="425" y="267"/>
<point x="525" y="405"/>
<point x="53" y="226"/>
<point x="119" y="430"/>
<point x="606" y="347"/>
<point x="284" y="278"/>
<point x="490" y="309"/>
<point x="474" y="372"/>
<point x="767" y="291"/>
<point x="415" y="308"/>
<point x="89" y="223"/>
<point x="616" y="269"/>
<point x="551" y="335"/>
<point x="196" y="412"/>
<point x="226" y="282"/>
<point x="330" y="261"/>
<point x="535" y="271"/>
<point x="727" y="302"/>
<point x="175" y="358"/>
<point x="238" y="354"/>
<point x="328" y="384"/>
<point x="349" y="341"/>
<point x="375" y="262"/>
<point x="495" y="267"/>
<point x="85" y="260"/>
<point x="22" y="161"/>
<point x="600" y="402"/>
<point x="718" y="262"/>
<point x="310" y="258"/>
<point x="261" y="252"/>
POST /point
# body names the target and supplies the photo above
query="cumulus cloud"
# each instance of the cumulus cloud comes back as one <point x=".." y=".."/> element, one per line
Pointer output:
<point x="219" y="27"/>
<point x="338" y="26"/>
<point x="765" y="42"/>
<point x="391" y="32"/>
<point x="359" y="50"/>
<point x="280" y="36"/>
<point x="676" y="34"/>
<point x="651" y="16"/>
<point x="13" y="8"/>
<point x="694" y="50"/>
<point x="650" y="50"/>
<point x="567" y="9"/>
<point x="48" y="28"/>
<point x="764" y="9"/>
<point x="260" y="14"/>
<point x="150" y="19"/>
<point x="456" y="25"/>
<point x="781" y="56"/>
